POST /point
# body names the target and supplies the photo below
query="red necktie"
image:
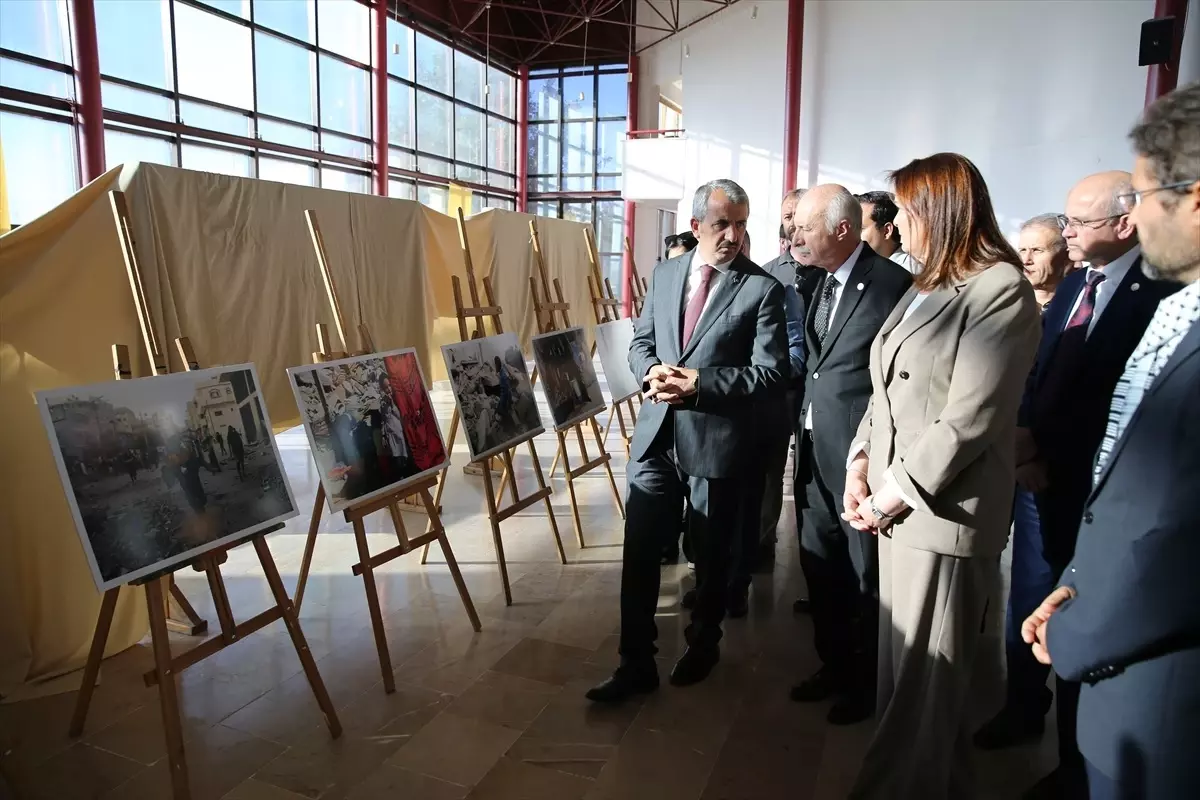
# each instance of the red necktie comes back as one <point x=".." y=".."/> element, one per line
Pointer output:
<point x="696" y="305"/>
<point x="1087" y="302"/>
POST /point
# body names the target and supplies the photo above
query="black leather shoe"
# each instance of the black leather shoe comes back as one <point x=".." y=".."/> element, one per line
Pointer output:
<point x="626" y="682"/>
<point x="1064" y="783"/>
<point x="688" y="600"/>
<point x="739" y="604"/>
<point x="851" y="709"/>
<point x="820" y="686"/>
<point x="695" y="664"/>
<point x="802" y="605"/>
<point x="1009" y="728"/>
<point x="670" y="555"/>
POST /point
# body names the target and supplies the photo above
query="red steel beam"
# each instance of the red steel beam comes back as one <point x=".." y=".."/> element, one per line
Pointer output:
<point x="379" y="76"/>
<point x="631" y="124"/>
<point x="791" y="98"/>
<point x="87" y="75"/>
<point x="522" y="137"/>
<point x="1162" y="78"/>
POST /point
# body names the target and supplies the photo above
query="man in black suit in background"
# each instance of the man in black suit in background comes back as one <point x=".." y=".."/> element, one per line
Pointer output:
<point x="857" y="293"/>
<point x="711" y="343"/>
<point x="1126" y="618"/>
<point x="1090" y="328"/>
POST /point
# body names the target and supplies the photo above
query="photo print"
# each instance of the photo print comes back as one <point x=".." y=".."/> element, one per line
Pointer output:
<point x="491" y="387"/>
<point x="158" y="471"/>
<point x="568" y="376"/>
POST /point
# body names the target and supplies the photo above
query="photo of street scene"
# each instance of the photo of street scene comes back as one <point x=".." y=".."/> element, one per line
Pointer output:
<point x="160" y="470"/>
<point x="370" y="424"/>
<point x="492" y="390"/>
<point x="568" y="376"/>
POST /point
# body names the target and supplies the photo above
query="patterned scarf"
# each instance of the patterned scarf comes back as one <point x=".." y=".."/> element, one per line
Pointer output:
<point x="1172" y="320"/>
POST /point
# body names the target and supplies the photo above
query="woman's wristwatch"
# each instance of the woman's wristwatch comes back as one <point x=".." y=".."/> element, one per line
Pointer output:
<point x="879" y="515"/>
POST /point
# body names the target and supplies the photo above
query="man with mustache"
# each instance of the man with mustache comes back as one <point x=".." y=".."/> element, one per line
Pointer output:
<point x="711" y="343"/>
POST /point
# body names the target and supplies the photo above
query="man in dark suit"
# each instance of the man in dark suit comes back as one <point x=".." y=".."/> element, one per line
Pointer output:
<point x="856" y="295"/>
<point x="1126" y="619"/>
<point x="1091" y="327"/>
<point x="711" y="343"/>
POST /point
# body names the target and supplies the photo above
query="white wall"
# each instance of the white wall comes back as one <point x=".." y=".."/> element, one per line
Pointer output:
<point x="730" y="70"/>
<point x="1038" y="93"/>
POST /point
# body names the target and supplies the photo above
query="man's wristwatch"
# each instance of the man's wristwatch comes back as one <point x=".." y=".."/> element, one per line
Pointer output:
<point x="879" y="515"/>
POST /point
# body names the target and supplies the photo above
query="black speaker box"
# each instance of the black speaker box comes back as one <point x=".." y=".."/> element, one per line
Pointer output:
<point x="1158" y="37"/>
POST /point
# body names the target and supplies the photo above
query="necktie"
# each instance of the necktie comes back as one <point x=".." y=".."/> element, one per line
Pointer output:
<point x="825" y="307"/>
<point x="696" y="305"/>
<point x="1087" y="301"/>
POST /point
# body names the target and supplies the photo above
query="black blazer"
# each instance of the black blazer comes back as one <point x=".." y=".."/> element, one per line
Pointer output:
<point x="838" y="383"/>
<point x="1132" y="633"/>
<point x="740" y="349"/>
<point x="1067" y="415"/>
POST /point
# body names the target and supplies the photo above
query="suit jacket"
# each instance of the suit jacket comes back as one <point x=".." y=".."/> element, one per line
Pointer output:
<point x="1067" y="414"/>
<point x="1132" y="633"/>
<point x="838" y="383"/>
<point x="947" y="383"/>
<point x="780" y="413"/>
<point x="739" y="347"/>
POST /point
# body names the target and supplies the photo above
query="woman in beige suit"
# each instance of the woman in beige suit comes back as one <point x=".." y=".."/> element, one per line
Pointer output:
<point x="932" y="472"/>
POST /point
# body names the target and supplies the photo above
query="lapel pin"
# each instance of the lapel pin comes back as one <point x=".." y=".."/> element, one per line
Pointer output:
<point x="860" y="287"/>
<point x="1135" y="287"/>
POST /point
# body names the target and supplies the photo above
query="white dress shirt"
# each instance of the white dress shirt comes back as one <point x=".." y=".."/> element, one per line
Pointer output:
<point x="1114" y="273"/>
<point x="840" y="277"/>
<point x="695" y="277"/>
<point x="906" y="260"/>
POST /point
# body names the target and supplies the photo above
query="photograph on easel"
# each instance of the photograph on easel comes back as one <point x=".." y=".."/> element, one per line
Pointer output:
<point x="370" y="424"/>
<point x="494" y="395"/>
<point x="612" y="345"/>
<point x="160" y="470"/>
<point x="568" y="376"/>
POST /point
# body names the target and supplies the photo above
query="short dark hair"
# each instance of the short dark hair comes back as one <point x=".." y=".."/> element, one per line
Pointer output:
<point x="1168" y="136"/>
<point x="883" y="210"/>
<point x="686" y="239"/>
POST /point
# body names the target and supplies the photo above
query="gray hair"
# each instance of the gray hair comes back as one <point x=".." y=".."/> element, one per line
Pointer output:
<point x="735" y="193"/>
<point x="1168" y="136"/>
<point x="844" y="206"/>
<point x="1049" y="222"/>
<point x="1115" y="208"/>
<point x="794" y="194"/>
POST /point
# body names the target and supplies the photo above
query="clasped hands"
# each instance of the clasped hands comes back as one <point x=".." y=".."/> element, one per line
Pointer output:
<point x="671" y="384"/>
<point x="856" y="501"/>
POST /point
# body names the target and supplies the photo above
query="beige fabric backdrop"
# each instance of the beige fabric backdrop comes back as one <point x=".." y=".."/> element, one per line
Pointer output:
<point x="228" y="262"/>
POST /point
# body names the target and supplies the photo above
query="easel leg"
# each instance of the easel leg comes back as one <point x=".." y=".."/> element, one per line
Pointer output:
<point x="562" y="453"/>
<point x="459" y="583"/>
<point x="537" y="472"/>
<point x="554" y="465"/>
<point x="441" y="484"/>
<point x="364" y="557"/>
<point x="612" y="480"/>
<point x="624" y="430"/>
<point x="310" y="544"/>
<point x="181" y="617"/>
<point x="508" y="478"/>
<point x="95" y="655"/>
<point x="493" y="512"/>
<point x="293" y="627"/>
<point x="167" y="697"/>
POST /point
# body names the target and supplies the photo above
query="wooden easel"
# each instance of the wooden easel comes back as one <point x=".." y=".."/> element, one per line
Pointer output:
<point x="434" y="530"/>
<point x="545" y="311"/>
<point x="496" y="514"/>
<point x="181" y="617"/>
<point x="637" y="285"/>
<point x="167" y="667"/>
<point x="607" y="308"/>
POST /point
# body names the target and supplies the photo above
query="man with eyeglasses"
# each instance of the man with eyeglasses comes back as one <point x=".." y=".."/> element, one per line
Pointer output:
<point x="1126" y="619"/>
<point x="1090" y="329"/>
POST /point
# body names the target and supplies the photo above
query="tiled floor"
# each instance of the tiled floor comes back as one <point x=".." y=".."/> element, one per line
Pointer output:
<point x="496" y="715"/>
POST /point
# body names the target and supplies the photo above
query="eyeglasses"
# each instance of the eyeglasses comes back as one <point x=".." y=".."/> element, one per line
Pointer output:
<point x="1065" y="222"/>
<point x="1131" y="200"/>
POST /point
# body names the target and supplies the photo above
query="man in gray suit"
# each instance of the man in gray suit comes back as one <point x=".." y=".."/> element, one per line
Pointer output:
<point x="712" y="343"/>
